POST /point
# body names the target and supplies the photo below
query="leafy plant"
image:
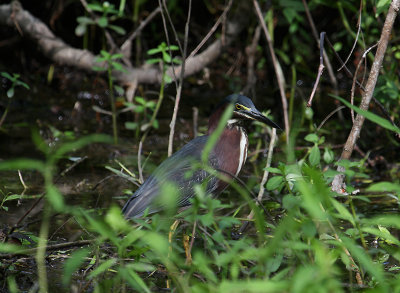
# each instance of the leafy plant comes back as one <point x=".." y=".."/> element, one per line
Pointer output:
<point x="15" y="82"/>
<point x="108" y="14"/>
<point x="146" y="109"/>
<point x="110" y="64"/>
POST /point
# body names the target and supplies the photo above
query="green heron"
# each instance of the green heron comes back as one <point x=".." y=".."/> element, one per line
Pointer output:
<point x="228" y="156"/>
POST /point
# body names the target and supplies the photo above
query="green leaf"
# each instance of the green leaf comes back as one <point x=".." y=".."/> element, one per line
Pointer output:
<point x="98" y="68"/>
<point x="8" y="76"/>
<point x="369" y="115"/>
<point x="10" y="92"/>
<point x="343" y="212"/>
<point x="312" y="137"/>
<point x="154" y="51"/>
<point x="73" y="264"/>
<point x="274" y="182"/>
<point x="153" y="61"/>
<point x="118" y="66"/>
<point x="102" y="22"/>
<point x="22" y="164"/>
<point x="102" y="268"/>
<point x="384" y="186"/>
<point x="83" y="20"/>
<point x="329" y="156"/>
<point x="117" y="29"/>
<point x="13" y="196"/>
<point x="381" y="6"/>
<point x="315" y="156"/>
<point x="166" y="57"/>
<point x="55" y="197"/>
<point x="80" y="30"/>
<point x="273" y="170"/>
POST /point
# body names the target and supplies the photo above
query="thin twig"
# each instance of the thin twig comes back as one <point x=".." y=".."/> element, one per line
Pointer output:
<point x="41" y="197"/>
<point x="251" y="51"/>
<point x="22" y="180"/>
<point x="139" y="162"/>
<point x="179" y="90"/>
<point x="139" y="29"/>
<point x="193" y="237"/>
<point x="209" y="34"/>
<point x="195" y="120"/>
<point x="48" y="248"/>
<point x="277" y="67"/>
<point x="314" y="31"/>
<point x="356" y="39"/>
<point x="320" y="68"/>
<point x="329" y="116"/>
<point x="355" y="78"/>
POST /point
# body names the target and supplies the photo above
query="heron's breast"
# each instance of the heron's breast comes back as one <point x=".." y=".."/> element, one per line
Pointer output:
<point x="231" y="150"/>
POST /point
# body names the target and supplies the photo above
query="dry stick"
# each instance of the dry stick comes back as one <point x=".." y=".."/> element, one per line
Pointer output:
<point x="350" y="75"/>
<point x="251" y="51"/>
<point x="195" y="120"/>
<point x="355" y="78"/>
<point x="48" y="248"/>
<point x="193" y="237"/>
<point x="338" y="181"/>
<point x="356" y="39"/>
<point x="264" y="179"/>
<point x="139" y="29"/>
<point x="164" y="8"/>
<point x="140" y="162"/>
<point x="329" y="116"/>
<point x="314" y="31"/>
<point x="179" y="91"/>
<point x="320" y="68"/>
<point x="209" y="34"/>
<point x="277" y="67"/>
<point x="22" y="180"/>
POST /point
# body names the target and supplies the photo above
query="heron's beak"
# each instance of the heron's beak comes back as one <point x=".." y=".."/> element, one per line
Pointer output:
<point x="256" y="115"/>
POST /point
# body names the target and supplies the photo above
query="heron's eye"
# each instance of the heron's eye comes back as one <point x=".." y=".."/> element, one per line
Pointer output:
<point x="238" y="107"/>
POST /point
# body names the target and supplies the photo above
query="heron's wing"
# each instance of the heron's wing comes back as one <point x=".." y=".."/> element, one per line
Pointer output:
<point x="178" y="170"/>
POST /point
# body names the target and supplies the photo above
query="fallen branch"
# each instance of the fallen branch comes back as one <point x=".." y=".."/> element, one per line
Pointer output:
<point x="57" y="50"/>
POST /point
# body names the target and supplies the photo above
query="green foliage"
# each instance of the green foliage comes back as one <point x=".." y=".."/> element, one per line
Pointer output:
<point x="108" y="15"/>
<point x="110" y="64"/>
<point x="14" y="83"/>
<point x="370" y="116"/>
<point x="165" y="59"/>
<point x="305" y="238"/>
<point x="145" y="110"/>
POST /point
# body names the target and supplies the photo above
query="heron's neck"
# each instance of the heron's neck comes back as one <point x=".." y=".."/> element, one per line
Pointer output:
<point x="215" y="118"/>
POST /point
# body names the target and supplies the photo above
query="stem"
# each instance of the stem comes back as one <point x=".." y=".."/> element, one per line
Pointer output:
<point x="3" y="117"/>
<point x="292" y="93"/>
<point x="153" y="118"/>
<point x="113" y="109"/>
<point x="41" y="249"/>
<point x="158" y="106"/>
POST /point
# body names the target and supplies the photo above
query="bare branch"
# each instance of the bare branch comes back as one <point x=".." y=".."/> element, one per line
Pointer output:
<point x="278" y="69"/>
<point x="338" y="182"/>
<point x="320" y="68"/>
